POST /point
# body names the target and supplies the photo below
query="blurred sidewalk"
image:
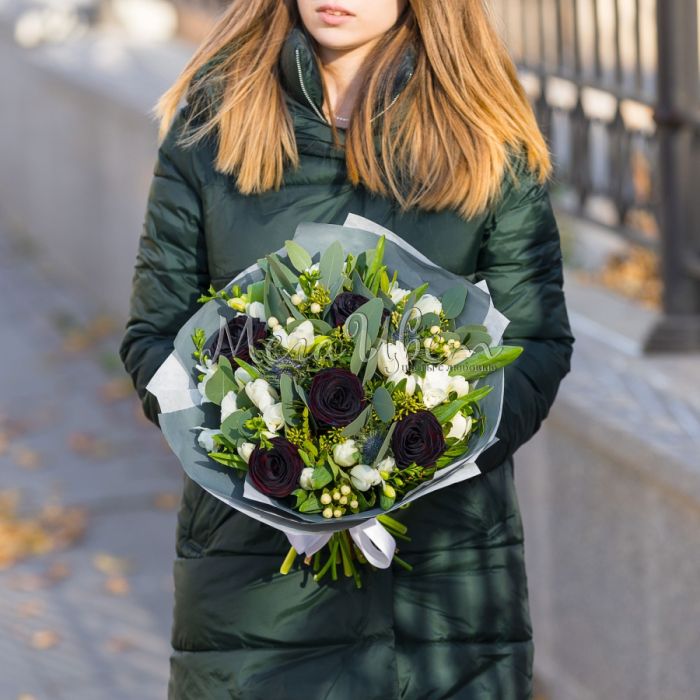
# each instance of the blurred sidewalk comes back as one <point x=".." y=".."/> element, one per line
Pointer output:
<point x="90" y="483"/>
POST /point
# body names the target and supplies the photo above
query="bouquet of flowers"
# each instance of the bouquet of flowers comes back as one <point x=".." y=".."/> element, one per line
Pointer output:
<point x="332" y="382"/>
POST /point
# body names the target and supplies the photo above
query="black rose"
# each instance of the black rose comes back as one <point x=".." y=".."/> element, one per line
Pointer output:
<point x="276" y="471"/>
<point x="240" y="339"/>
<point x="345" y="304"/>
<point x="417" y="438"/>
<point x="336" y="397"/>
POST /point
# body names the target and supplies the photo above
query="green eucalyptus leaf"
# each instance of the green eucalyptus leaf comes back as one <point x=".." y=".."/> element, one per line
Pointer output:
<point x="287" y="399"/>
<point x="429" y="320"/>
<point x="367" y="317"/>
<point x="298" y="256"/>
<point x="219" y="385"/>
<point x="274" y="304"/>
<point x="464" y="331"/>
<point x="331" y="265"/>
<point x="371" y="366"/>
<point x="232" y="427"/>
<point x="383" y="404"/>
<point x="453" y="301"/>
<point x="282" y="275"/>
<point x="356" y="426"/>
<point x="358" y="286"/>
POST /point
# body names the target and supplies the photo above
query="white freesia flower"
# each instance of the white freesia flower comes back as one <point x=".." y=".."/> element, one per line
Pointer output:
<point x="305" y="478"/>
<point x="272" y="415"/>
<point x="387" y="465"/>
<point x="256" y="309"/>
<point x="208" y="368"/>
<point x="205" y="439"/>
<point x="261" y="393"/>
<point x="363" y="477"/>
<point x="229" y="405"/>
<point x="299" y="341"/>
<point x="435" y="385"/>
<point x="411" y="383"/>
<point x="397" y="294"/>
<point x="459" y="385"/>
<point x="459" y="355"/>
<point x="242" y="377"/>
<point x="244" y="450"/>
<point x="345" y="454"/>
<point x="392" y="360"/>
<point x="459" y="426"/>
<point x="428" y="304"/>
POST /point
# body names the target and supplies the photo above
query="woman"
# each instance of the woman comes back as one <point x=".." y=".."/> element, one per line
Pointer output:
<point x="408" y="112"/>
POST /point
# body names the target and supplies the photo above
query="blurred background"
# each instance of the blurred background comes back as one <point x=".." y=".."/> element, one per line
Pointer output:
<point x="609" y="487"/>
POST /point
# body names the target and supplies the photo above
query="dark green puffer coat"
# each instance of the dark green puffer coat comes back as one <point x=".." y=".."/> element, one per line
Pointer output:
<point x="458" y="626"/>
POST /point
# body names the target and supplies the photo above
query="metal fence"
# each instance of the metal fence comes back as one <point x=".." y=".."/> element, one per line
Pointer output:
<point x="616" y="88"/>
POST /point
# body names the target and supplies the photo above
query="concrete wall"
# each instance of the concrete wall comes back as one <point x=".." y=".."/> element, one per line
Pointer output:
<point x="609" y="490"/>
<point x="77" y="153"/>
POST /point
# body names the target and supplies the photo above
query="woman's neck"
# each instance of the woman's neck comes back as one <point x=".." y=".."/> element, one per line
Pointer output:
<point x="342" y="73"/>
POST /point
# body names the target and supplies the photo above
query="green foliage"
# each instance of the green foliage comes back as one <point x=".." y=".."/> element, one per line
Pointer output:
<point x="221" y="294"/>
<point x="446" y="412"/>
<point x="453" y="301"/>
<point x="383" y="404"/>
<point x="483" y="363"/>
<point x="298" y="256"/>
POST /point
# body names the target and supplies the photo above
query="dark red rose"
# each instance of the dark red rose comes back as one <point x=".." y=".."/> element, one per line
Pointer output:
<point x="417" y="438"/>
<point x="336" y="397"/>
<point x="240" y="339"/>
<point x="345" y="304"/>
<point x="276" y="471"/>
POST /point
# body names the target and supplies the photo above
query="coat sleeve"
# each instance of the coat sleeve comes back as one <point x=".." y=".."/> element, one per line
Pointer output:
<point x="521" y="260"/>
<point x="171" y="269"/>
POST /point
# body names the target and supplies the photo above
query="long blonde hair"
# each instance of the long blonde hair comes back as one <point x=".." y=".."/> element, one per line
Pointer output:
<point x="446" y="143"/>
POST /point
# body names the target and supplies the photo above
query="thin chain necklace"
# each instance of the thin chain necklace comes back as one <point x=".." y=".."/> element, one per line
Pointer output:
<point x="341" y="119"/>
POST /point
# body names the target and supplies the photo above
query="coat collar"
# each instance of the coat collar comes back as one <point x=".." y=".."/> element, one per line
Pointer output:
<point x="301" y="79"/>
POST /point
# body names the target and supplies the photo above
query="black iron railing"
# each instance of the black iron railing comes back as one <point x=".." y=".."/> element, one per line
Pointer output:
<point x="616" y="88"/>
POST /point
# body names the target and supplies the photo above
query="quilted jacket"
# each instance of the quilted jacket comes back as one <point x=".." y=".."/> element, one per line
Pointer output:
<point x="457" y="626"/>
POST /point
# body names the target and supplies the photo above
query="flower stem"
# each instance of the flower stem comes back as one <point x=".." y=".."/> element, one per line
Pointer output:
<point x="346" y="549"/>
<point x="288" y="561"/>
<point x="390" y="522"/>
<point x="403" y="563"/>
<point x="333" y="543"/>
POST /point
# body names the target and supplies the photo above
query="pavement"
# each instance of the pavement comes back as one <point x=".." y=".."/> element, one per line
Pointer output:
<point x="88" y="498"/>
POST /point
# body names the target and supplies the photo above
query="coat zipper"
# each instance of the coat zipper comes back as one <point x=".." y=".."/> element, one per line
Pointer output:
<point x="313" y="106"/>
<point x="303" y="88"/>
